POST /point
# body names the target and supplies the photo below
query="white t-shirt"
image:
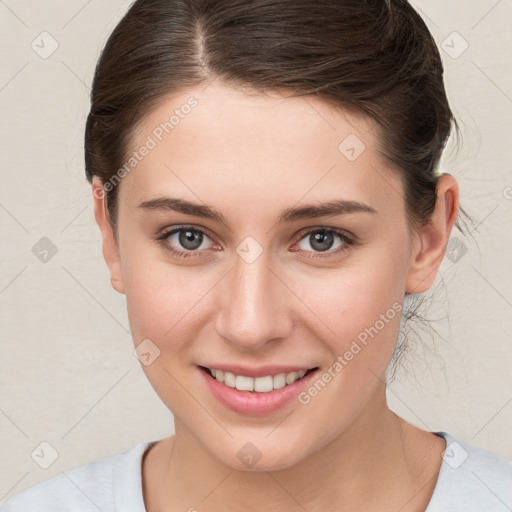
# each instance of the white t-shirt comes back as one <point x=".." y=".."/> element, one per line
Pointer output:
<point x="470" y="480"/>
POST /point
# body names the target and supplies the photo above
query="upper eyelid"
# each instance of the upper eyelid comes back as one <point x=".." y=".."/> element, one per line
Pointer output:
<point x="175" y="229"/>
<point x="336" y="231"/>
<point x="301" y="233"/>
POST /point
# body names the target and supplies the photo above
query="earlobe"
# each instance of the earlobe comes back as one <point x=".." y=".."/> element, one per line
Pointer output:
<point x="110" y="245"/>
<point x="430" y="245"/>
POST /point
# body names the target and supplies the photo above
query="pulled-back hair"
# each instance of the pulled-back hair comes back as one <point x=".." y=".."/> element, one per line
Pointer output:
<point x="373" y="56"/>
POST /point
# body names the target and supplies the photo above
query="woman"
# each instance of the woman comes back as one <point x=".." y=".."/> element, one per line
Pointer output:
<point x="264" y="179"/>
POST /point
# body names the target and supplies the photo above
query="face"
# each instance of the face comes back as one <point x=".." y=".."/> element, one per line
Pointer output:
<point x="260" y="236"/>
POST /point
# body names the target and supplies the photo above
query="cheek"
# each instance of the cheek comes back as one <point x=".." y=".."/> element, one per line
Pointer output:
<point x="161" y="297"/>
<point x="359" y="303"/>
<point x="165" y="306"/>
<point x="162" y="301"/>
<point x="362" y="307"/>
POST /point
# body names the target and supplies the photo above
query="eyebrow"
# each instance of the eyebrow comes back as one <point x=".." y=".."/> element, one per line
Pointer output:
<point x="308" y="211"/>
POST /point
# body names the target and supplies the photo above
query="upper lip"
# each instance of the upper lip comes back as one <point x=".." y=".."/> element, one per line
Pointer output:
<point x="260" y="371"/>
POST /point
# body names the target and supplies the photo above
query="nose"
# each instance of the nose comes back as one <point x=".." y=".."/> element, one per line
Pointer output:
<point x="254" y="305"/>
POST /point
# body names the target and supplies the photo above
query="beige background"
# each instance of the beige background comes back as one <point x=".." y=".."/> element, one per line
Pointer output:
<point x="67" y="373"/>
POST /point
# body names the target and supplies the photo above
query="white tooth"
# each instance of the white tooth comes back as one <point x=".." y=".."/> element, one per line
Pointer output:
<point x="263" y="384"/>
<point x="291" y="377"/>
<point x="279" y="381"/>
<point x="243" y="383"/>
<point x="302" y="373"/>
<point x="219" y="375"/>
<point x="213" y="372"/>
<point x="229" y="379"/>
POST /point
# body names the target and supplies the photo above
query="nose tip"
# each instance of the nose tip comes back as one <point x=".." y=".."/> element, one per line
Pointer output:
<point x="252" y="306"/>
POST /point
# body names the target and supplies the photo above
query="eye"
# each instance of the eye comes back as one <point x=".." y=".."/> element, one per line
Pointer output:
<point x="325" y="240"/>
<point x="184" y="241"/>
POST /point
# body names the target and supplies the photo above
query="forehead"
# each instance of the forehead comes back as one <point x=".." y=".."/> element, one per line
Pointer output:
<point x="219" y="142"/>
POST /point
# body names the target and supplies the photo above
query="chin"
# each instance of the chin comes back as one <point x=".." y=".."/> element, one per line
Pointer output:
<point x="258" y="455"/>
<point x="277" y="462"/>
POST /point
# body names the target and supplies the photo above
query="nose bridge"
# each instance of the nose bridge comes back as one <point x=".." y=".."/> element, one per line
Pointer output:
<point x="252" y="310"/>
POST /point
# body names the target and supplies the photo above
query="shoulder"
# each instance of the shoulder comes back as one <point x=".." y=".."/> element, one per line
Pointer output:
<point x="471" y="479"/>
<point x="104" y="484"/>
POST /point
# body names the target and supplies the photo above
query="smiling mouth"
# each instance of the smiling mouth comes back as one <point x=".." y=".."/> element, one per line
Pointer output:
<point x="264" y="384"/>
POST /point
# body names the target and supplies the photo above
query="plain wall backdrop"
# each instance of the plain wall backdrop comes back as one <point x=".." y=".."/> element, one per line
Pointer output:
<point x="68" y="376"/>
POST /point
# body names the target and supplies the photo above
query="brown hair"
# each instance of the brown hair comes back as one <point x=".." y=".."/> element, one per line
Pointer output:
<point x="374" y="56"/>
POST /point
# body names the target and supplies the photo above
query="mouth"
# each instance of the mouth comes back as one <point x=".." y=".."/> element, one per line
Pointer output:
<point x="263" y="384"/>
<point x="262" y="393"/>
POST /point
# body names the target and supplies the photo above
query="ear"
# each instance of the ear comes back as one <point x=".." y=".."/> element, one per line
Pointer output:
<point x="110" y="246"/>
<point x="432" y="239"/>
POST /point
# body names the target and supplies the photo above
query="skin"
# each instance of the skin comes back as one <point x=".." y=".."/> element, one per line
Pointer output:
<point x="251" y="156"/>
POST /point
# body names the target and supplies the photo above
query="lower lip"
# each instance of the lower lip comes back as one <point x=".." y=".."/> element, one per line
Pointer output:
<point x="252" y="403"/>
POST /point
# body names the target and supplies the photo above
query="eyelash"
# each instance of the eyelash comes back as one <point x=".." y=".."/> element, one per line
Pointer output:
<point x="346" y="239"/>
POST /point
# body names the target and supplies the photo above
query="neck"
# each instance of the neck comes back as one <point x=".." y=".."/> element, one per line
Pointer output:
<point x="380" y="462"/>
